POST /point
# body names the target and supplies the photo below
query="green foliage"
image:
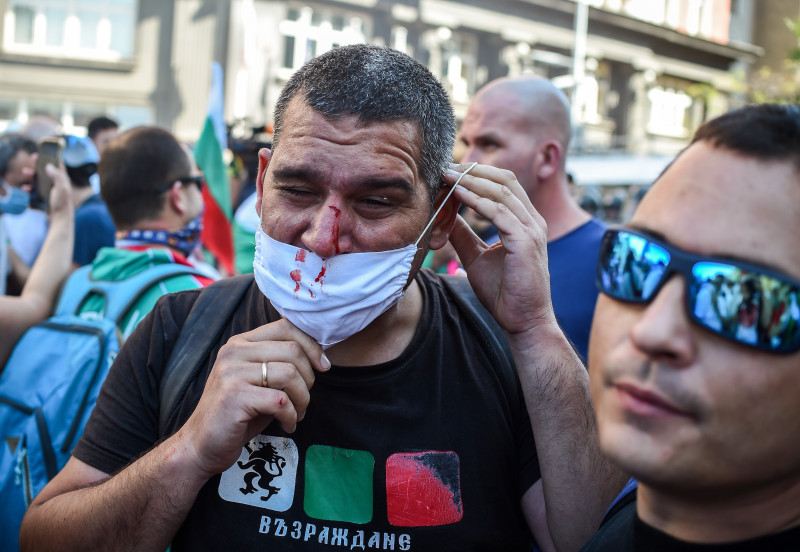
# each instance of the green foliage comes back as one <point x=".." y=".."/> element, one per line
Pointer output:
<point x="794" y="26"/>
<point x="781" y="84"/>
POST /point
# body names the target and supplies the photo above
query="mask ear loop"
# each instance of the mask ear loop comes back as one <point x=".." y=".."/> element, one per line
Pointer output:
<point x="433" y="218"/>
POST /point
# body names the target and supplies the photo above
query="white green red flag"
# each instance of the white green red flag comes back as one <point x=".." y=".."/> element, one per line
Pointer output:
<point x="217" y="235"/>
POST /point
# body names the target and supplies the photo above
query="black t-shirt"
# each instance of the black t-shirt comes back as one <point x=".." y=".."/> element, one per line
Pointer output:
<point x="430" y="451"/>
<point x="625" y="532"/>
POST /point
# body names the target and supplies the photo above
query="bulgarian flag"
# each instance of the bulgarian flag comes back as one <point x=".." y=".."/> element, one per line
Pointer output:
<point x="217" y="235"/>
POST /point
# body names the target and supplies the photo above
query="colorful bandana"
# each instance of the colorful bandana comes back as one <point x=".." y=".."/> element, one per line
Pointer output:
<point x="184" y="240"/>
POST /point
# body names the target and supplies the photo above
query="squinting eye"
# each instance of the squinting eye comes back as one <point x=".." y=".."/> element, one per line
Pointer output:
<point x="297" y="192"/>
<point x="378" y="201"/>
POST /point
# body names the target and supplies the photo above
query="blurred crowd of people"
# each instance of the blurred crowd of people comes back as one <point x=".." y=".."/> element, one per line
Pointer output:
<point x="148" y="212"/>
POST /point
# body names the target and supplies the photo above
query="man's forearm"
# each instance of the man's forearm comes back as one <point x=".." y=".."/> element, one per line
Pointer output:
<point x="140" y="508"/>
<point x="578" y="481"/>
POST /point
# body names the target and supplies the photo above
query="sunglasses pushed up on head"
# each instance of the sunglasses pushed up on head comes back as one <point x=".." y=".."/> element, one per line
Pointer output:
<point x="741" y="302"/>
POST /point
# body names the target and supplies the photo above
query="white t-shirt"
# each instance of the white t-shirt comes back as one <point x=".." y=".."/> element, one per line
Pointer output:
<point x="26" y="233"/>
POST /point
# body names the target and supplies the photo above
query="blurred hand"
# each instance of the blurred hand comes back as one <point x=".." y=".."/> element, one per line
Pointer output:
<point x="60" y="200"/>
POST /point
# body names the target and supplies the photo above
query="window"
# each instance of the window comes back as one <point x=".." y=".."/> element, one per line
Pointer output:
<point x="55" y="19"/>
<point x="8" y="111"/>
<point x="87" y="29"/>
<point x="309" y="32"/>
<point x="646" y="10"/>
<point x="693" y="16"/>
<point x="47" y="108"/>
<point x="668" y="111"/>
<point x="453" y="59"/>
<point x="700" y="17"/>
<point x="82" y="113"/>
<point x="22" y="23"/>
<point x="588" y="98"/>
<point x="400" y="39"/>
<point x="674" y="8"/>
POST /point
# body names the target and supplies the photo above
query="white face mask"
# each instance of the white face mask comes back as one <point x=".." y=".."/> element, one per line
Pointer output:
<point x="332" y="299"/>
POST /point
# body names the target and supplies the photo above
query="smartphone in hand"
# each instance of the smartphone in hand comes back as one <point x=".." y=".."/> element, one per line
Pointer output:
<point x="50" y="151"/>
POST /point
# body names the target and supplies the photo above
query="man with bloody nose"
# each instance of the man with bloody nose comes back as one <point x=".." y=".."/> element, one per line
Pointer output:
<point x="351" y="400"/>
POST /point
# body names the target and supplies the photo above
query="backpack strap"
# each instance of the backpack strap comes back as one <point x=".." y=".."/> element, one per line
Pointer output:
<point x="119" y="295"/>
<point x="492" y="338"/>
<point x="209" y="315"/>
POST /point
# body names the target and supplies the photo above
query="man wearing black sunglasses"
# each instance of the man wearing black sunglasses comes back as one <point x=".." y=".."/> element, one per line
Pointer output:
<point x="150" y="183"/>
<point x="694" y="357"/>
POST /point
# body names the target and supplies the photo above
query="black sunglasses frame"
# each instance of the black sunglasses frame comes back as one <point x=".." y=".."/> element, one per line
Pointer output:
<point x="682" y="262"/>
<point x="198" y="180"/>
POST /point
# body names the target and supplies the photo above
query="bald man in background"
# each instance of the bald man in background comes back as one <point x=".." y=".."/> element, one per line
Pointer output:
<point x="523" y="125"/>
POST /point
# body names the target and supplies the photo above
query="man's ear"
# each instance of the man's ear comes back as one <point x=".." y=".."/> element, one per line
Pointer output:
<point x="443" y="224"/>
<point x="550" y="156"/>
<point x="176" y="200"/>
<point x="264" y="155"/>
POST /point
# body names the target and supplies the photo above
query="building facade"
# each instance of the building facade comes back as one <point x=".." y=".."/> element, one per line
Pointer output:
<point x="648" y="71"/>
<point x="139" y="61"/>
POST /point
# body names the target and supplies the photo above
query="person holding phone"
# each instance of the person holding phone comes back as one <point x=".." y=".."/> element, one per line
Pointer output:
<point x="24" y="224"/>
<point x="51" y="268"/>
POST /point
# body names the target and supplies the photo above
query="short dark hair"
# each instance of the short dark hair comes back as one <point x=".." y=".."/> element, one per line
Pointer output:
<point x="99" y="124"/>
<point x="11" y="144"/>
<point x="769" y="132"/>
<point x="377" y="84"/>
<point x="134" y="166"/>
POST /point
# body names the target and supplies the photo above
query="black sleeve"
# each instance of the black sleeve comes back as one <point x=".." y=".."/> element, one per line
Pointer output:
<point x="124" y="423"/>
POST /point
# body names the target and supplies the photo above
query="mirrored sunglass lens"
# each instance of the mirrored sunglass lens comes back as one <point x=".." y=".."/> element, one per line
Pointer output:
<point x="631" y="267"/>
<point x="750" y="308"/>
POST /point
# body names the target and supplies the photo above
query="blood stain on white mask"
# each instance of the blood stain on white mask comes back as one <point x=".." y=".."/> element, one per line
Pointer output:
<point x="296" y="275"/>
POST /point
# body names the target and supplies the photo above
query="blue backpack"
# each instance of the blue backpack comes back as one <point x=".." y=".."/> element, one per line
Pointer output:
<point x="50" y="385"/>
